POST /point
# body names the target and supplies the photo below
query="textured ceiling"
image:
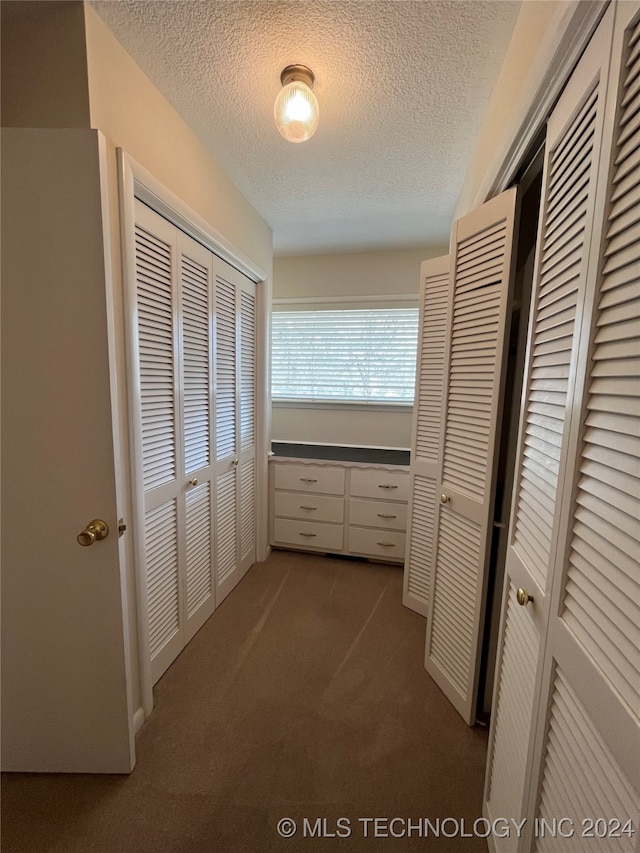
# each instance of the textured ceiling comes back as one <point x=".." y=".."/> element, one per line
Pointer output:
<point x="402" y="87"/>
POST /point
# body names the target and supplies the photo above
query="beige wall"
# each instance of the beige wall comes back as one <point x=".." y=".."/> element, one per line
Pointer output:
<point x="539" y="27"/>
<point x="342" y="275"/>
<point x="351" y="274"/>
<point x="133" y="115"/>
<point x="44" y="65"/>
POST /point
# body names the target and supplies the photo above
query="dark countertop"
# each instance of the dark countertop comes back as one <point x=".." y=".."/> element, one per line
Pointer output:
<point x="375" y="455"/>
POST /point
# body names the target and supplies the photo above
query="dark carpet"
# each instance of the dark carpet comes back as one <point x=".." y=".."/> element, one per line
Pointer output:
<point x="303" y="697"/>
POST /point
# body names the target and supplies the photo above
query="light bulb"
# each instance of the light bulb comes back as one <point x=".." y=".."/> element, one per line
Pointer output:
<point x="296" y="108"/>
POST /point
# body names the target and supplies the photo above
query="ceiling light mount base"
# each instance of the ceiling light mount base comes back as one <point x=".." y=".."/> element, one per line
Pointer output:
<point x="297" y="74"/>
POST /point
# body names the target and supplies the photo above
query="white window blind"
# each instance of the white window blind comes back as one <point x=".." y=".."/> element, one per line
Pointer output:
<point x="364" y="355"/>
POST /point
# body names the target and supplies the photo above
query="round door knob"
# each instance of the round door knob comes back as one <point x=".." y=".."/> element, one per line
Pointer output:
<point x="523" y="597"/>
<point x="444" y="499"/>
<point x="235" y="461"/>
<point x="193" y="482"/>
<point x="94" y="531"/>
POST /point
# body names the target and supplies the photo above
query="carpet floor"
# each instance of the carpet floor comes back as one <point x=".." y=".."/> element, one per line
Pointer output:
<point x="303" y="697"/>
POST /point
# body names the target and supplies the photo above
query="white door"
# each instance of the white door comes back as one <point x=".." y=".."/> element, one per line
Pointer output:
<point x="235" y="407"/>
<point x="477" y="323"/>
<point x="247" y="422"/>
<point x="549" y="695"/>
<point x="65" y="673"/>
<point x="587" y="750"/>
<point x="172" y="327"/>
<point x="425" y="445"/>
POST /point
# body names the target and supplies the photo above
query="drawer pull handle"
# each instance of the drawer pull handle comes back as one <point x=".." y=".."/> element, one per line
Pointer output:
<point x="310" y="535"/>
<point x="386" y="544"/>
<point x="386" y="486"/>
<point x="308" y="480"/>
<point x="302" y="506"/>
<point x="386" y="515"/>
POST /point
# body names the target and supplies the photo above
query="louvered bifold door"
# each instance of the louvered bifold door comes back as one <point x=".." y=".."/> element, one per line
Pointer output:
<point x="247" y="423"/>
<point x="155" y="380"/>
<point x="588" y="748"/>
<point x="425" y="444"/>
<point x="479" y="305"/>
<point x="569" y="231"/>
<point x="196" y="363"/>
<point x="235" y="404"/>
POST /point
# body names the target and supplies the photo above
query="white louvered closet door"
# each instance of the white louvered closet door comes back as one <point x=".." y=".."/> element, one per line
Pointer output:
<point x="479" y="302"/>
<point x="173" y="378"/>
<point x="235" y="405"/>
<point x="196" y="365"/>
<point x="569" y="236"/>
<point x="247" y="423"/>
<point x="427" y="417"/>
<point x="156" y="378"/>
<point x="588" y="747"/>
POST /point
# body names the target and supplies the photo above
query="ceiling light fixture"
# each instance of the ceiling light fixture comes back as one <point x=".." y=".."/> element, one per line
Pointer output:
<point x="296" y="108"/>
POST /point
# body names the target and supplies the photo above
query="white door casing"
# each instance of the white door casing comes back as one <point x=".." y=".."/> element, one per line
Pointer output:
<point x="482" y="258"/>
<point x="426" y="433"/>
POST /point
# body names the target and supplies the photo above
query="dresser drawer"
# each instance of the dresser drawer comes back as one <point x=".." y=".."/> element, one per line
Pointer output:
<point x="310" y="478"/>
<point x="308" y="534"/>
<point x="387" y="544"/>
<point x="376" y="483"/>
<point x="378" y="514"/>
<point x="312" y="507"/>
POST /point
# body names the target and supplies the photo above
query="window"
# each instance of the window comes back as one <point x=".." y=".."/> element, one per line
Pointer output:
<point x="361" y="356"/>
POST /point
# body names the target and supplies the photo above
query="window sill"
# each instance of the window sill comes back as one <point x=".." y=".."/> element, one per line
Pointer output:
<point x="343" y="405"/>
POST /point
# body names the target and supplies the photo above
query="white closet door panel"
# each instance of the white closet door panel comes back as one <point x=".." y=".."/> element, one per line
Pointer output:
<point x="452" y="625"/>
<point x="155" y="298"/>
<point x="248" y="511"/>
<point x="582" y="781"/>
<point x="195" y="358"/>
<point x="199" y="557"/>
<point x="561" y="270"/>
<point x="247" y="370"/>
<point x="235" y="426"/>
<point x="474" y="378"/>
<point x="247" y="422"/>
<point x="513" y="710"/>
<point x="434" y="297"/>
<point x="226" y="380"/>
<point x="430" y="373"/>
<point x="420" y="533"/>
<point x="226" y="530"/>
<point x="195" y="280"/>
<point x="166" y="634"/>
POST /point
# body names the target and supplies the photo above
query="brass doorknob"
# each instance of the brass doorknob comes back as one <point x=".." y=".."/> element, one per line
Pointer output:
<point x="235" y="461"/>
<point x="444" y="499"/>
<point x="523" y="597"/>
<point x="193" y="482"/>
<point x="95" y="530"/>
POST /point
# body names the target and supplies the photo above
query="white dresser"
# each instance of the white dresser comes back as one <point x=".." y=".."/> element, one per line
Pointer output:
<point x="351" y="508"/>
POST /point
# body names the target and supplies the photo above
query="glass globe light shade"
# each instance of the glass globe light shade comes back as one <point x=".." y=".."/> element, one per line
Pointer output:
<point x="296" y="112"/>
